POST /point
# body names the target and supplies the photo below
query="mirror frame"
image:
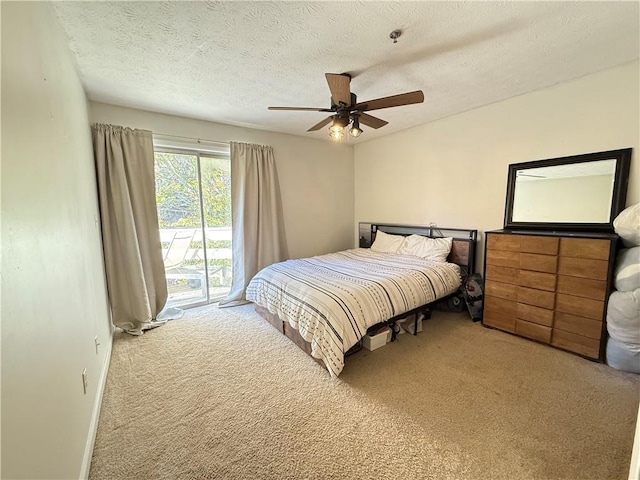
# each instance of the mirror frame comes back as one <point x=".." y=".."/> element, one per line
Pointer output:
<point x="621" y="181"/>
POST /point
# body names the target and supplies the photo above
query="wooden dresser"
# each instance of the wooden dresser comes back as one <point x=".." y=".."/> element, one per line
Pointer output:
<point x="550" y="287"/>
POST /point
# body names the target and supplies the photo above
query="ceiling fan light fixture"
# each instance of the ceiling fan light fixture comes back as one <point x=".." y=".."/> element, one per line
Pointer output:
<point x="339" y="122"/>
<point x="336" y="134"/>
<point x="355" y="129"/>
<point x="336" y="130"/>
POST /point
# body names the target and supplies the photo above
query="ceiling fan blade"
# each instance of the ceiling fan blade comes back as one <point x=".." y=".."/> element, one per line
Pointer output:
<point x="392" y="101"/>
<point x="321" y="124"/>
<point x="371" y="121"/>
<point x="302" y="109"/>
<point x="339" y="86"/>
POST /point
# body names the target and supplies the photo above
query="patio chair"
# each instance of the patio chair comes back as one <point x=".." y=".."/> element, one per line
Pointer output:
<point x="177" y="253"/>
<point x="177" y="256"/>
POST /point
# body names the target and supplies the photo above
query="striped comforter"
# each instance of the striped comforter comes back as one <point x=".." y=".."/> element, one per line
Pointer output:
<point x="332" y="299"/>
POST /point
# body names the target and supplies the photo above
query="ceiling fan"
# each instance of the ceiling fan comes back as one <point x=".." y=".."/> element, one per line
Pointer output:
<point x="345" y="109"/>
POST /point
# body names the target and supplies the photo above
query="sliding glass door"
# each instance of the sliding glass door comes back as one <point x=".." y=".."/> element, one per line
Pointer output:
<point x="193" y="195"/>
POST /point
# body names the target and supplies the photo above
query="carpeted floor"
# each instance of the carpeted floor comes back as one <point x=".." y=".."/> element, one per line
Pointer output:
<point x="221" y="394"/>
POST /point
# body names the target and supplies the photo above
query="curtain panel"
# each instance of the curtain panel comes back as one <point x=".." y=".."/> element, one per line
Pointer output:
<point x="256" y="216"/>
<point x="136" y="280"/>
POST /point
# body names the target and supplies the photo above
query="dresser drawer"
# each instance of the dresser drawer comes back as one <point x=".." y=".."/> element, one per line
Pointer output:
<point x="586" y="346"/>
<point x="542" y="281"/>
<point x="501" y="274"/>
<point x="586" y="327"/>
<point x="503" y="258"/>
<point x="585" y="248"/>
<point x="507" y="291"/>
<point x="503" y="242"/>
<point x="533" y="330"/>
<point x="538" y="263"/>
<point x="582" y="287"/>
<point x="499" y="319"/>
<point x="500" y="305"/>
<point x="539" y="244"/>
<point x="583" y="267"/>
<point x="532" y="314"/>
<point x="580" y="306"/>
<point x="537" y="298"/>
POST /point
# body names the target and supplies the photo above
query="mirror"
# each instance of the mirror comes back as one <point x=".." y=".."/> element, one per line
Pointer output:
<point x="581" y="192"/>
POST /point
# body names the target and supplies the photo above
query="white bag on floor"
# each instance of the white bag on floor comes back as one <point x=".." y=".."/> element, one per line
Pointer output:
<point x="627" y="225"/>
<point x="623" y="317"/>
<point x="622" y="356"/>
<point x="627" y="270"/>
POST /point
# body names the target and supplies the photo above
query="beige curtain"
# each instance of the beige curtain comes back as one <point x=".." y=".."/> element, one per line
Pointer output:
<point x="256" y="216"/>
<point x="132" y="249"/>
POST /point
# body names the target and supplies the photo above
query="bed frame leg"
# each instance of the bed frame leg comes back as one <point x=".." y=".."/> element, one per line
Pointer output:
<point x="426" y="314"/>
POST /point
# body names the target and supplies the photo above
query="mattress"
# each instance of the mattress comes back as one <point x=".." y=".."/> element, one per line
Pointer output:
<point x="333" y="299"/>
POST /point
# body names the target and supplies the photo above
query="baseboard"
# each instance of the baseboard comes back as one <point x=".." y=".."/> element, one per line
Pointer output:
<point x="634" y="469"/>
<point x="95" y="416"/>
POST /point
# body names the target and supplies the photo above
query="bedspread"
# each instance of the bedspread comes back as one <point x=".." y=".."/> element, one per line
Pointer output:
<point x="332" y="299"/>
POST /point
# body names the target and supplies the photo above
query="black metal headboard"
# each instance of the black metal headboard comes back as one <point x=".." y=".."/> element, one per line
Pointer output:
<point x="463" y="250"/>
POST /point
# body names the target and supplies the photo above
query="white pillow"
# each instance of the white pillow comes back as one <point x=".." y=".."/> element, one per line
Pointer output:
<point x="428" y="248"/>
<point x="387" y="243"/>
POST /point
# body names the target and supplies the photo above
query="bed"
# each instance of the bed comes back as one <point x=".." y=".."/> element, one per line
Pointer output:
<point x="326" y="304"/>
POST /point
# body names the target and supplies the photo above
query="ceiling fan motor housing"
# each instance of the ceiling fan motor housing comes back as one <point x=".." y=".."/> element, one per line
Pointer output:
<point x="342" y="118"/>
<point x="337" y="108"/>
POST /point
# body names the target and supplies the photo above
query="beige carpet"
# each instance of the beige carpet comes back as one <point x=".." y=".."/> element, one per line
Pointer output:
<point x="221" y="394"/>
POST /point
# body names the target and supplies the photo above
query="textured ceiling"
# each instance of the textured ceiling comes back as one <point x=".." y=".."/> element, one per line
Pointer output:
<point x="228" y="61"/>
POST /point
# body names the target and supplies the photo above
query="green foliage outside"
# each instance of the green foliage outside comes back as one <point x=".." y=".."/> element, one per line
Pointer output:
<point x="177" y="193"/>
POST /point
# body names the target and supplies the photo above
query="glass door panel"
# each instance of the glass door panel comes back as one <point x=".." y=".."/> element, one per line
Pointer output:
<point x="180" y="221"/>
<point x="215" y="175"/>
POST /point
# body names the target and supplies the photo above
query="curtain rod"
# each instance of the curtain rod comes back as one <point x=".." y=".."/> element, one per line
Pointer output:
<point x="197" y="140"/>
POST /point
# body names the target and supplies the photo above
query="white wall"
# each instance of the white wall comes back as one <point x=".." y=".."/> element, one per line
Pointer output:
<point x="453" y="171"/>
<point x="316" y="177"/>
<point x="53" y="289"/>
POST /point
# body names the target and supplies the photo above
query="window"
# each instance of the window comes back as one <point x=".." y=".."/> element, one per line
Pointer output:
<point x="193" y="196"/>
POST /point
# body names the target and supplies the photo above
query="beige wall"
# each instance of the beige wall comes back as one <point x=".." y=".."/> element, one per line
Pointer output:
<point x="316" y="177"/>
<point x="53" y="289"/>
<point x="453" y="172"/>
